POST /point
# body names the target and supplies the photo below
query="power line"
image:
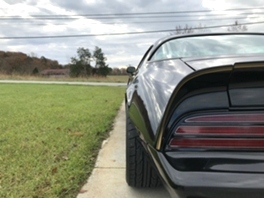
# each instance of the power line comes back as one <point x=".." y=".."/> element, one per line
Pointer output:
<point x="157" y="13"/>
<point x="119" y="17"/>
<point x="143" y="13"/>
<point x="145" y="22"/>
<point x="119" y="34"/>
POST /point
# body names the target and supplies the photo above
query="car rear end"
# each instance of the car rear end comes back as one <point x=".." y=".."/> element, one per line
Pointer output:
<point x="211" y="138"/>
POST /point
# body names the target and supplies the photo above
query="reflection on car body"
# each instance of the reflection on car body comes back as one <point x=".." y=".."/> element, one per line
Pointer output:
<point x="195" y="116"/>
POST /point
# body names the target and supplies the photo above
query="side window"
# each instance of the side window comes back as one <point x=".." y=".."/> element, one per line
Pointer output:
<point x="144" y="57"/>
<point x="167" y="50"/>
<point x="159" y="54"/>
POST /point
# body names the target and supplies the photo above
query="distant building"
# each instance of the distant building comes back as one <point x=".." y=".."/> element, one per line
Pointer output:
<point x="55" y="72"/>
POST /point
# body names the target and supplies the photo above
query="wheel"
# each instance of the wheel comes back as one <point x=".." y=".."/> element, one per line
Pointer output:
<point x="139" y="169"/>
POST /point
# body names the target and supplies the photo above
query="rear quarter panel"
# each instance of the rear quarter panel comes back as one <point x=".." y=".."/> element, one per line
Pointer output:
<point x="149" y="92"/>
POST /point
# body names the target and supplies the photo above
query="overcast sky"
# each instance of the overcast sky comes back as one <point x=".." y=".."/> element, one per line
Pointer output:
<point x="30" y="18"/>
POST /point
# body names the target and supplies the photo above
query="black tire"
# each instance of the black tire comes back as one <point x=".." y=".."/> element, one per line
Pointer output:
<point x="139" y="169"/>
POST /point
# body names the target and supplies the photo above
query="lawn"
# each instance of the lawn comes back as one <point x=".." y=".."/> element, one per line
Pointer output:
<point x="50" y="136"/>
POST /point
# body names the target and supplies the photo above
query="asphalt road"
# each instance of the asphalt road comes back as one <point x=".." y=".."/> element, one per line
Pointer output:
<point x="108" y="177"/>
<point x="64" y="82"/>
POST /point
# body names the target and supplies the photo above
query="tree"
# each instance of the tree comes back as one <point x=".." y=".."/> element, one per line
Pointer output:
<point x="201" y="28"/>
<point x="33" y="55"/>
<point x="189" y="29"/>
<point x="81" y="65"/>
<point x="237" y="27"/>
<point x="99" y="59"/>
<point x="43" y="59"/>
<point x="35" y="71"/>
<point x="183" y="30"/>
<point x="75" y="68"/>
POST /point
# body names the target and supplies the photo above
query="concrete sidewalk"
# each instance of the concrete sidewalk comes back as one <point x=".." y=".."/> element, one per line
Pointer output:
<point x="108" y="177"/>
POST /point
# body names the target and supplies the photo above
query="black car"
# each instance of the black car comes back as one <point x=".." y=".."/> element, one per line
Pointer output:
<point x="195" y="116"/>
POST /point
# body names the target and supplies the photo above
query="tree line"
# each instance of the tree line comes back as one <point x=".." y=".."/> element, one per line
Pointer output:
<point x="23" y="64"/>
<point x="85" y="64"/>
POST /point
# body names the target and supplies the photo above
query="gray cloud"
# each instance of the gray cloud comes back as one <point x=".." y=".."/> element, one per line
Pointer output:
<point x="246" y="3"/>
<point x="12" y="2"/>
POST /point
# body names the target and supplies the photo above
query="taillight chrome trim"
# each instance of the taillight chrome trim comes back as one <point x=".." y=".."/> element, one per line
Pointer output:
<point x="220" y="130"/>
<point x="230" y="118"/>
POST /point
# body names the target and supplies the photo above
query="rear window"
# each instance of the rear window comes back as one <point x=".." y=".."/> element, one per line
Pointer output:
<point x="216" y="45"/>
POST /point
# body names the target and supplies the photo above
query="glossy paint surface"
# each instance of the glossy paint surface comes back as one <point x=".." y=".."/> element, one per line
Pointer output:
<point x="161" y="93"/>
<point x="149" y="92"/>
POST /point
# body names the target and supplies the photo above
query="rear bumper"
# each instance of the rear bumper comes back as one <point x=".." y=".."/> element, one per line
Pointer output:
<point x="219" y="193"/>
<point x="208" y="184"/>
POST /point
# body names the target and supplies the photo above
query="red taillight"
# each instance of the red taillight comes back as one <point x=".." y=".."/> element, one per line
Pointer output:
<point x="217" y="143"/>
<point x="234" y="131"/>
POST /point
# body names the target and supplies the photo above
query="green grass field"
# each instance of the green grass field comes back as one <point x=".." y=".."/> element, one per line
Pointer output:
<point x="50" y="136"/>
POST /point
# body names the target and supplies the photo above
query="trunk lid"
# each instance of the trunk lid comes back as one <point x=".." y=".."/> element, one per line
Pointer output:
<point x="246" y="85"/>
<point x="208" y="62"/>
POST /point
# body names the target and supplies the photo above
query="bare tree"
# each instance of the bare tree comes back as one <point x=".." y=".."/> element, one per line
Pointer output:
<point x="33" y="55"/>
<point x="187" y="29"/>
<point x="201" y="28"/>
<point x="183" y="30"/>
<point x="237" y="27"/>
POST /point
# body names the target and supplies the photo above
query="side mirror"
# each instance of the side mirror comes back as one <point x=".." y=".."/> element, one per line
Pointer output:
<point x="131" y="70"/>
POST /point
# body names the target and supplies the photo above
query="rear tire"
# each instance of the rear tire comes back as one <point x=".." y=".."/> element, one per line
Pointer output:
<point x="139" y="169"/>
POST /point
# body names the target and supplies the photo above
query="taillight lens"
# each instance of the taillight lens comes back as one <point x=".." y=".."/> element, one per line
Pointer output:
<point x="225" y="131"/>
